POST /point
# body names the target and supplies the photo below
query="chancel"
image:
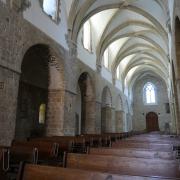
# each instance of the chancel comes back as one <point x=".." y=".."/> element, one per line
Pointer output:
<point x="89" y="89"/>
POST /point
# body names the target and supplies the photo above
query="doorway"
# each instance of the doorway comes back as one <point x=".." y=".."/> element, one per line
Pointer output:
<point x="152" y="122"/>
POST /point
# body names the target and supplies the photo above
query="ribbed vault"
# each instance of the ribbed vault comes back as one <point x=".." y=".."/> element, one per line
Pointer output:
<point x="134" y="31"/>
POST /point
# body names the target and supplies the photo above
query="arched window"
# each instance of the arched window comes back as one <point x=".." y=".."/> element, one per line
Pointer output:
<point x="149" y="93"/>
<point x="42" y="113"/>
<point x="87" y="35"/>
<point x="106" y="58"/>
<point x="118" y="72"/>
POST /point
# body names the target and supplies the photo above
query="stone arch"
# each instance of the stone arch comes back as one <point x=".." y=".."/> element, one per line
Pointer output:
<point x="41" y="82"/>
<point x="177" y="43"/>
<point x="106" y="110"/>
<point x="87" y="109"/>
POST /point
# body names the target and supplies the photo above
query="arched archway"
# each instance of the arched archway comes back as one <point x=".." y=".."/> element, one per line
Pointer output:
<point x="41" y="82"/>
<point x="106" y="111"/>
<point x="87" y="115"/>
<point x="152" y="123"/>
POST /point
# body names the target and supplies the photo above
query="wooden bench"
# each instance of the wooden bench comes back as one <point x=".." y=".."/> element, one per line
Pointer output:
<point x="70" y="144"/>
<point x="37" y="172"/>
<point x="3" y="174"/>
<point x="40" y="152"/>
<point x="155" y="140"/>
<point x="149" y="146"/>
<point x="123" y="165"/>
<point x="45" y="149"/>
<point x="130" y="152"/>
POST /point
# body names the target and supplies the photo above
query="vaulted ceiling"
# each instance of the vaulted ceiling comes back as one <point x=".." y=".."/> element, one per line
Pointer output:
<point x="134" y="31"/>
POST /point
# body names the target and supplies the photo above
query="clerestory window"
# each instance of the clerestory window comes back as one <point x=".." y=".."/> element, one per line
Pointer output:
<point x="87" y="35"/>
<point x="106" y="58"/>
<point x="52" y="9"/>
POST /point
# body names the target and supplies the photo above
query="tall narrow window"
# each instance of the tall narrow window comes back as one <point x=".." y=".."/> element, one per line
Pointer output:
<point x="87" y="35"/>
<point x="118" y="72"/>
<point x="149" y="93"/>
<point x="51" y="8"/>
<point x="106" y="58"/>
<point x="42" y="113"/>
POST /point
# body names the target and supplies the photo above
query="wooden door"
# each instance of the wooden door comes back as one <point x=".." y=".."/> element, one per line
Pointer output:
<point x="152" y="122"/>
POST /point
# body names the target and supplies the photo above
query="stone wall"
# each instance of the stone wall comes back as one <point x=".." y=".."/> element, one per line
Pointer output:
<point x="141" y="109"/>
<point x="16" y="38"/>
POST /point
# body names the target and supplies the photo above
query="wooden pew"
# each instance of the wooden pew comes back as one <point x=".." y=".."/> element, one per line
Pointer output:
<point x="37" y="172"/>
<point x="34" y="152"/>
<point x="130" y="152"/>
<point x="155" y="140"/>
<point x="149" y="146"/>
<point x="3" y="174"/>
<point x="46" y="150"/>
<point x="123" y="165"/>
<point x="65" y="143"/>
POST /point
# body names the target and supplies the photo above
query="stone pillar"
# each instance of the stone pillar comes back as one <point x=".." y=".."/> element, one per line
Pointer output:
<point x="177" y="98"/>
<point x="129" y="122"/>
<point x="90" y="117"/>
<point x="120" y="118"/>
<point x="55" y="113"/>
<point x="173" y="128"/>
<point x="98" y="118"/>
<point x="9" y="82"/>
<point x="70" y="114"/>
<point x="107" y="124"/>
<point x="113" y="120"/>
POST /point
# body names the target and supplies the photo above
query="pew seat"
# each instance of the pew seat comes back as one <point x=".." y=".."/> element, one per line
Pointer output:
<point x="130" y="152"/>
<point x="123" y="165"/>
<point x="39" y="172"/>
<point x="149" y="146"/>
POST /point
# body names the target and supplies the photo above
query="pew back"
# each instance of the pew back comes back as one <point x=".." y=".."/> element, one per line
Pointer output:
<point x="130" y="152"/>
<point x="123" y="165"/>
<point x="37" y="172"/>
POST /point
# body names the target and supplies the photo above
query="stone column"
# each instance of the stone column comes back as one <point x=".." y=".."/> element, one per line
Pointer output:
<point x="120" y="118"/>
<point x="177" y="99"/>
<point x="174" y="118"/>
<point x="90" y="117"/>
<point x="98" y="118"/>
<point x="113" y="120"/>
<point x="107" y="124"/>
<point x="129" y="122"/>
<point x="55" y="113"/>
<point x="9" y="83"/>
<point x="69" y="127"/>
